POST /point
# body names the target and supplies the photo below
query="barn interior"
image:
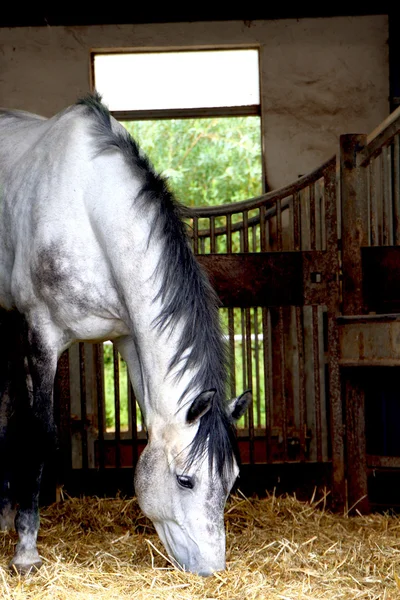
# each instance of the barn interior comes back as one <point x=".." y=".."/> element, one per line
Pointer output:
<point x="310" y="288"/>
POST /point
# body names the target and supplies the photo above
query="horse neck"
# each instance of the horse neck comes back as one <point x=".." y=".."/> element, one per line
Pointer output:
<point x="135" y="251"/>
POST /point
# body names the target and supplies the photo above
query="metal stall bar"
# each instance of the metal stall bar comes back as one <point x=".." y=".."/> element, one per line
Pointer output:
<point x="374" y="236"/>
<point x="195" y="235"/>
<point x="231" y="319"/>
<point x="82" y="381"/>
<point x="302" y="384"/>
<point x="317" y="382"/>
<point x="256" y="344"/>
<point x="249" y="381"/>
<point x="300" y="336"/>
<point x="99" y="365"/>
<point x="267" y="365"/>
<point x="396" y="189"/>
<point x="117" y="409"/>
<point x="386" y="174"/>
<point x="282" y="368"/>
<point x="247" y="350"/>
<point x="313" y="236"/>
<point x="132" y="405"/>
<point x="212" y="236"/>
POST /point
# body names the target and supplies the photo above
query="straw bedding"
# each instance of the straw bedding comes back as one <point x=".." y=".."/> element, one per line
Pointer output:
<point x="277" y="548"/>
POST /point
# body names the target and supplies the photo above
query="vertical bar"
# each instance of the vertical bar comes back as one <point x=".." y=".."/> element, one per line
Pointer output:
<point x="195" y="235"/>
<point x="245" y="231"/>
<point x="386" y="196"/>
<point x="263" y="233"/>
<point x="317" y="381"/>
<point x="257" y="365"/>
<point x="250" y="383"/>
<point x="322" y="220"/>
<point x="390" y="191"/>
<point x="132" y="404"/>
<point x="376" y="232"/>
<point x="99" y="366"/>
<point x="269" y="231"/>
<point x="62" y="404"/>
<point x="232" y="354"/>
<point x="379" y="196"/>
<point x="296" y="222"/>
<point x="255" y="246"/>
<point x="256" y="348"/>
<point x="357" y="485"/>
<point x="396" y="188"/>
<point x="219" y="239"/>
<point x="302" y="385"/>
<point x="82" y="380"/>
<point x="305" y="219"/>
<point x="368" y="202"/>
<point x="333" y="299"/>
<point x="244" y="356"/>
<point x="282" y="382"/>
<point x="312" y="217"/>
<point x="229" y="234"/>
<point x="268" y="388"/>
<point x="279" y="224"/>
<point x="317" y="214"/>
<point x="212" y="236"/>
<point x="354" y="221"/>
<point x="117" y="406"/>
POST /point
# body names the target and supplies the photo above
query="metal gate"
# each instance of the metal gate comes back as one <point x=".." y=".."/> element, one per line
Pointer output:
<point x="273" y="261"/>
<point x="308" y="279"/>
<point x="369" y="325"/>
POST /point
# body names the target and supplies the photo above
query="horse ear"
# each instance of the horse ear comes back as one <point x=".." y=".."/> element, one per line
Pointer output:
<point x="238" y="406"/>
<point x="200" y="406"/>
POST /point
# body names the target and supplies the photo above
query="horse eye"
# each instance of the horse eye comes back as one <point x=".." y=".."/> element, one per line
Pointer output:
<point x="185" y="481"/>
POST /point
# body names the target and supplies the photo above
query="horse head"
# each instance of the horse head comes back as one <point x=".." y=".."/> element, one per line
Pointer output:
<point x="183" y="489"/>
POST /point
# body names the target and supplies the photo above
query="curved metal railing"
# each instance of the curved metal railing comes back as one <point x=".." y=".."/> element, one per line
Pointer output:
<point x="290" y="218"/>
<point x="380" y="161"/>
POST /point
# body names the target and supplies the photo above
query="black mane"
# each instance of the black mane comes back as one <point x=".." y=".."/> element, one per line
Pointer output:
<point x="186" y="296"/>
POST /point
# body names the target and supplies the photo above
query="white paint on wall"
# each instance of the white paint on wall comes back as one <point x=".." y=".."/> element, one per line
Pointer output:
<point x="319" y="77"/>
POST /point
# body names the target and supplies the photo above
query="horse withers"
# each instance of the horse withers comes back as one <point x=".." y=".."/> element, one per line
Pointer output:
<point x="93" y="247"/>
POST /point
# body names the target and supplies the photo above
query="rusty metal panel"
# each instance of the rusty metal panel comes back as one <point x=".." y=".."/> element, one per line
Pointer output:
<point x="270" y="278"/>
<point x="369" y="180"/>
<point x="370" y="341"/>
<point x="256" y="279"/>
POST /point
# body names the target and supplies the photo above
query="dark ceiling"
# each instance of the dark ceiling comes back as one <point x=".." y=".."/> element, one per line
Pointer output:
<point x="99" y="16"/>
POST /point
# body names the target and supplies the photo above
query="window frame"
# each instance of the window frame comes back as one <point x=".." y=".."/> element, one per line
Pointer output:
<point x="249" y="110"/>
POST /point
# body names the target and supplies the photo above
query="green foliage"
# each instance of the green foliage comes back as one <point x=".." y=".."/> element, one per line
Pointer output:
<point x="207" y="161"/>
<point x="109" y="389"/>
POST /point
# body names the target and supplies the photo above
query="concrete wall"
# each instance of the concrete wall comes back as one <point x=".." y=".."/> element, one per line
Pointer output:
<point x="320" y="77"/>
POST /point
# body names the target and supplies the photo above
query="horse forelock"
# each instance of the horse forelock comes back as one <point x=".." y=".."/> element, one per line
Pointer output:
<point x="215" y="441"/>
<point x="185" y="295"/>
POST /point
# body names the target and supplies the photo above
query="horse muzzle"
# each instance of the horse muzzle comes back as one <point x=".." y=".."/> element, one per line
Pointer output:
<point x="187" y="554"/>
